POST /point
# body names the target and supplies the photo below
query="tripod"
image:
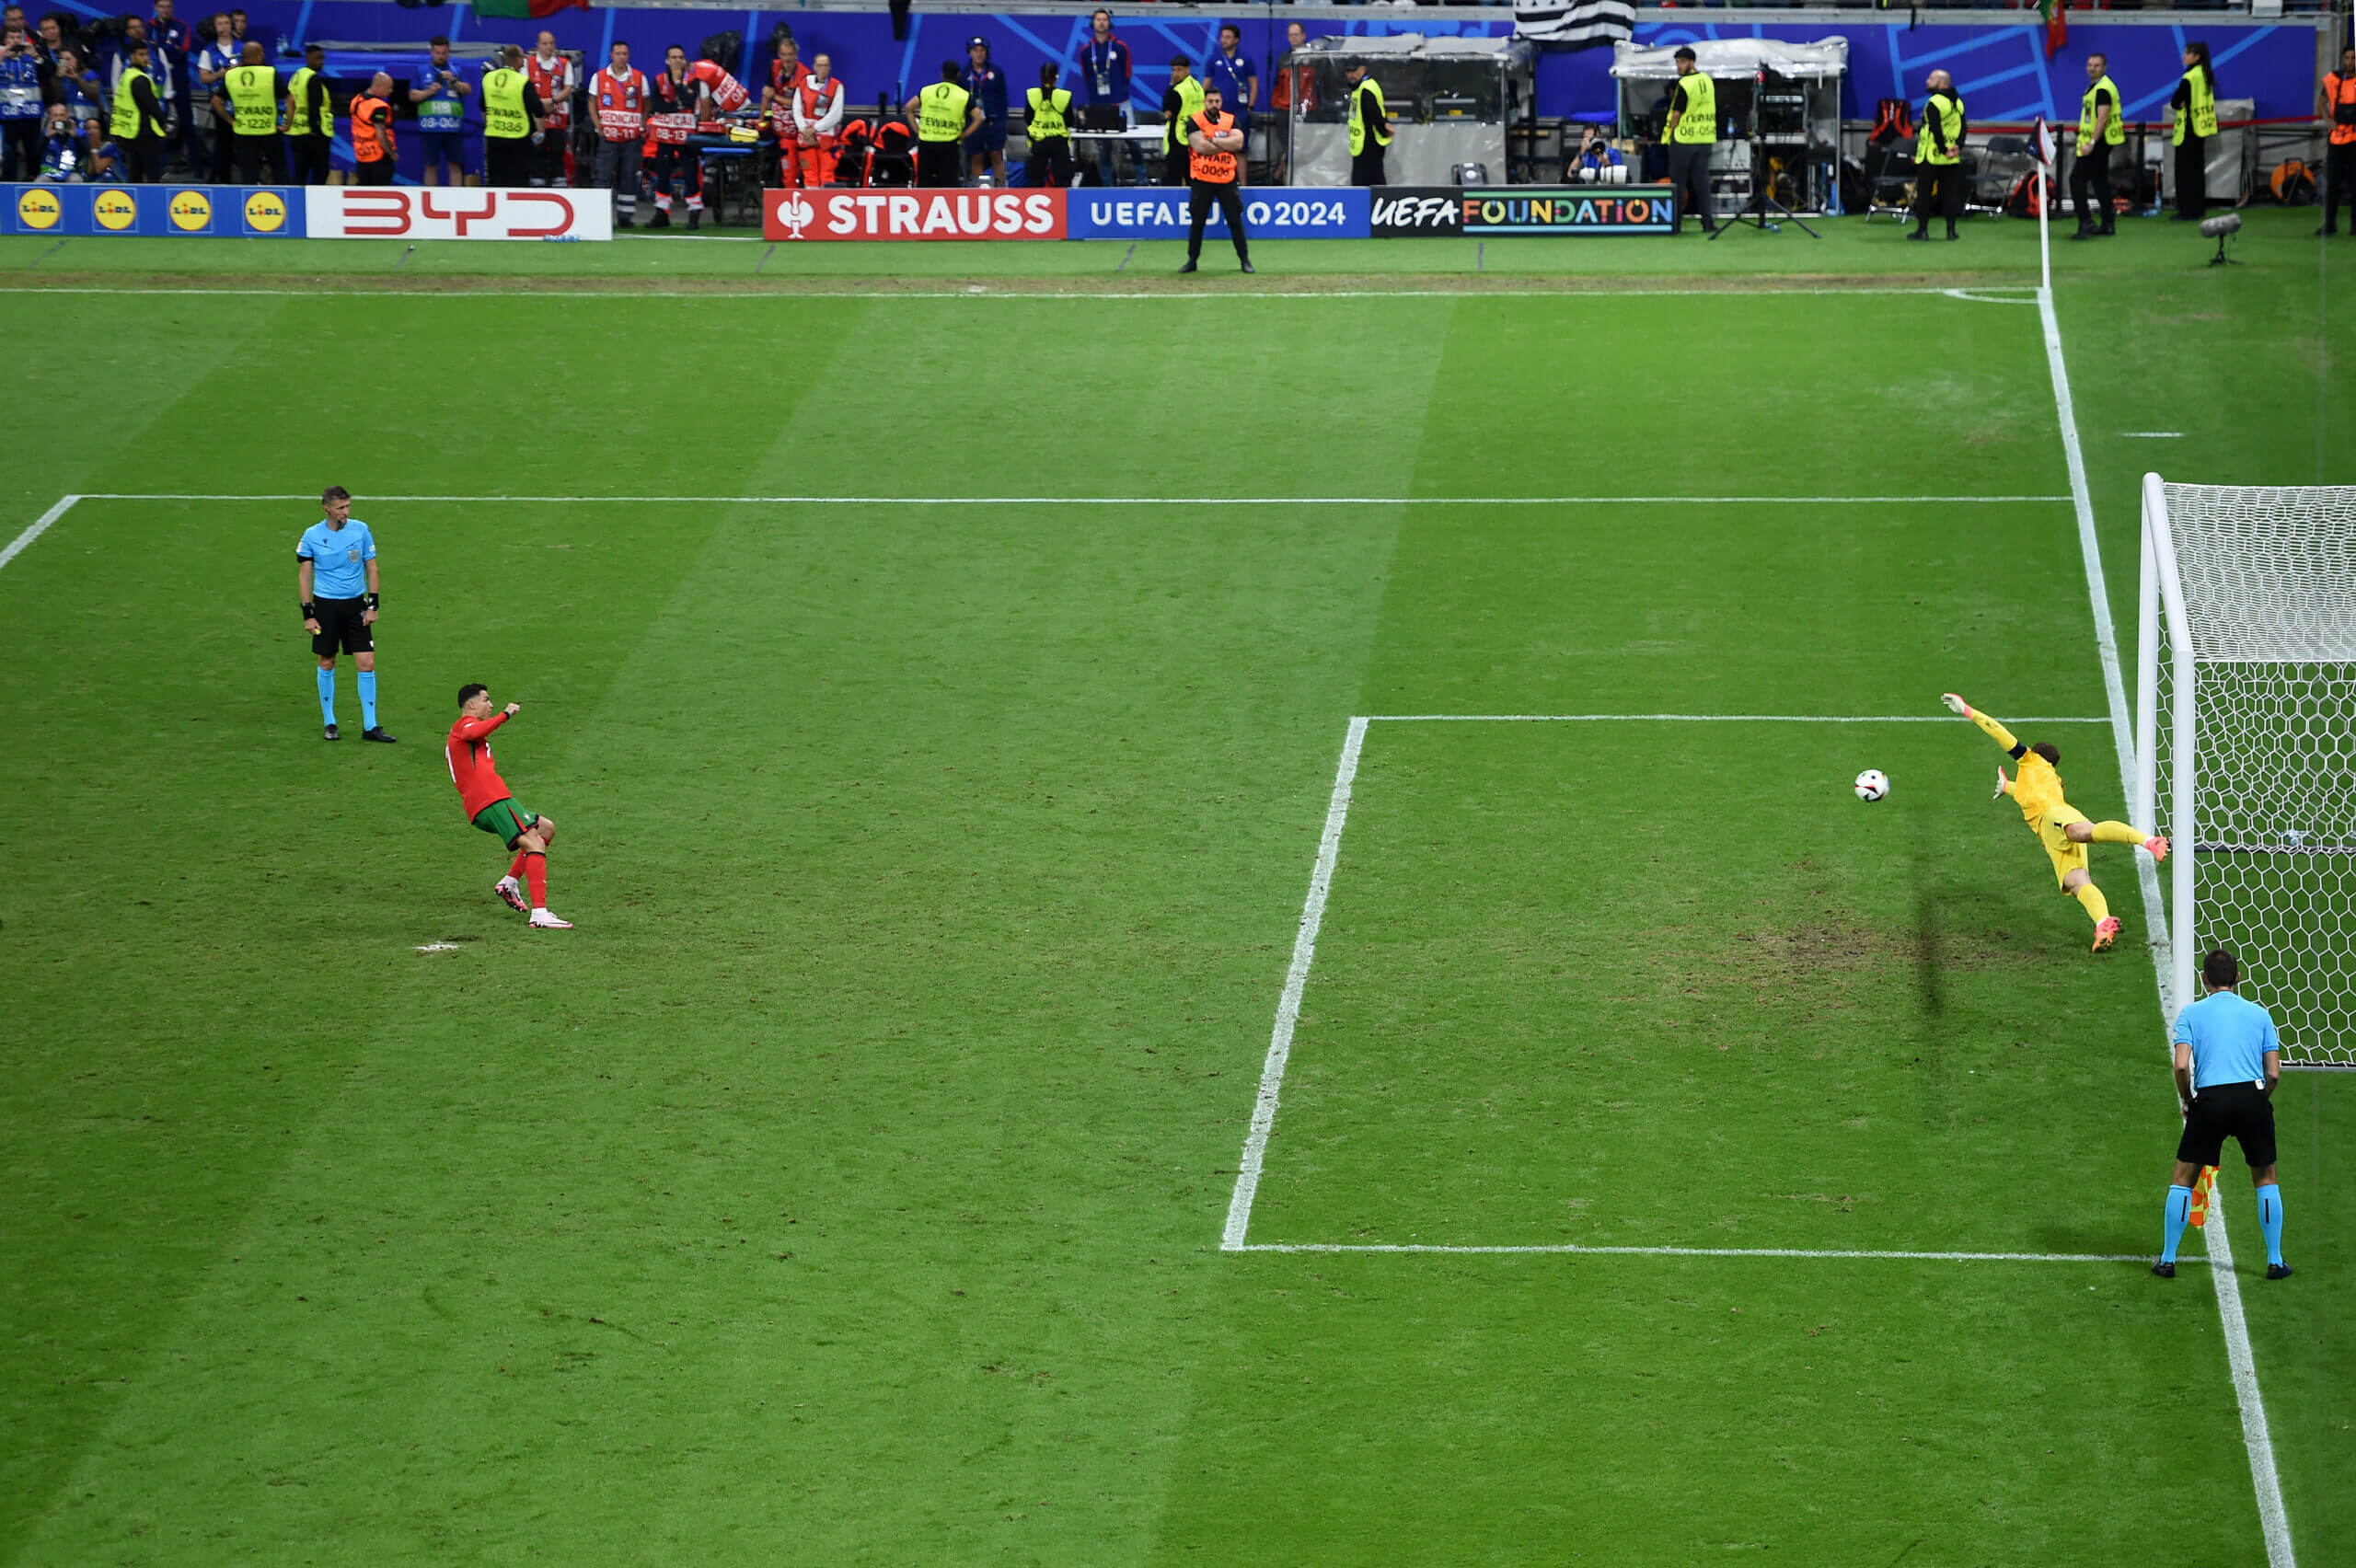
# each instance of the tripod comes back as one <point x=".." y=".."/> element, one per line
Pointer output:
<point x="1763" y="210"/>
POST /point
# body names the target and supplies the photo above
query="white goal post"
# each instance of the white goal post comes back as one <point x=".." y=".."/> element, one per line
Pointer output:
<point x="2246" y="743"/>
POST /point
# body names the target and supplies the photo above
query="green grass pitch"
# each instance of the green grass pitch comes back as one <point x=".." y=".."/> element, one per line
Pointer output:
<point x="848" y="1188"/>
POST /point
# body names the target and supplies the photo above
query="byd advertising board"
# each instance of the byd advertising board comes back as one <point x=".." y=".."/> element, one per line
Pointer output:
<point x="912" y="214"/>
<point x="407" y="211"/>
<point x="1490" y="211"/>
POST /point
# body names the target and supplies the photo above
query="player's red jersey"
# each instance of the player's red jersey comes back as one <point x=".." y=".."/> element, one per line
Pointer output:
<point x="472" y="767"/>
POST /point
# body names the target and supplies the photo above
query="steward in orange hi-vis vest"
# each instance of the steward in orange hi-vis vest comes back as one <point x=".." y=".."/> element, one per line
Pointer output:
<point x="1212" y="167"/>
<point x="1213" y="181"/>
<point x="618" y="104"/>
<point x="812" y="144"/>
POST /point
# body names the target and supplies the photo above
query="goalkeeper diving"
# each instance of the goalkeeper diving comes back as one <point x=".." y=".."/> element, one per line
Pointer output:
<point x="2058" y="825"/>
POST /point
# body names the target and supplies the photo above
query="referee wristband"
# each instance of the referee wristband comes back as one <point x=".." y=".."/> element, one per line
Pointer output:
<point x="310" y="610"/>
<point x="372" y="601"/>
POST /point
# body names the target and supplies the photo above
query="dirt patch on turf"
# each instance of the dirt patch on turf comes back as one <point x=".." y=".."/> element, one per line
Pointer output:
<point x="1107" y="284"/>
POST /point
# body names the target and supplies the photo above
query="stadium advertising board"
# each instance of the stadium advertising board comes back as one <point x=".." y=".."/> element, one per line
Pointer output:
<point x="913" y="214"/>
<point x="1491" y="211"/>
<point x="100" y="212"/>
<point x="388" y="212"/>
<point x="1269" y="213"/>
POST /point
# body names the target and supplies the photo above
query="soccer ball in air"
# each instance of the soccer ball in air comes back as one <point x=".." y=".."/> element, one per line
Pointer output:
<point x="1872" y="784"/>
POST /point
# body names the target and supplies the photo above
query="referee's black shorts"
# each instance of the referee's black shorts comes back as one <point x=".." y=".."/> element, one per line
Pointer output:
<point x="341" y="628"/>
<point x="2238" y="1111"/>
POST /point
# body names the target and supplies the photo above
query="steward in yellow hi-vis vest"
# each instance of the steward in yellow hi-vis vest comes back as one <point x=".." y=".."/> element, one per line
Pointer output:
<point x="139" y="119"/>
<point x="1180" y="101"/>
<point x="1690" y="130"/>
<point x="512" y="113"/>
<point x="310" y="121"/>
<point x="1938" y="157"/>
<point x="2195" y="103"/>
<point x="2100" y="128"/>
<point x="247" y="97"/>
<point x="1369" y="128"/>
<point x="1048" y="127"/>
<point x="944" y="115"/>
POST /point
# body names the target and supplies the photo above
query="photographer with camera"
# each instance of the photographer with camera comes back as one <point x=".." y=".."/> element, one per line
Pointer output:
<point x="1597" y="162"/>
<point x="440" y="97"/>
<point x="66" y="152"/>
<point x="20" y="106"/>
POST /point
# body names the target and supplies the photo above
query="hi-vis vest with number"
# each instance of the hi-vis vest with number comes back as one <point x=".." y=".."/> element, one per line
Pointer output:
<point x="372" y="129"/>
<point x="1190" y="104"/>
<point x="125" y="124"/>
<point x="253" y="99"/>
<point x="2204" y="114"/>
<point x="1212" y="167"/>
<point x="941" y="113"/>
<point x="2114" y="131"/>
<point x="298" y="106"/>
<point x="618" y="103"/>
<point x="1366" y="84"/>
<point x="1698" y="123"/>
<point x="1048" y="114"/>
<point x="1949" y="110"/>
<point x="502" y="106"/>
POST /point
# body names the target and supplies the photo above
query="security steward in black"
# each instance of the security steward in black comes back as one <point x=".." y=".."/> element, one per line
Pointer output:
<point x="2195" y="102"/>
<point x="1369" y="129"/>
<point x="944" y="115"/>
<point x="1048" y="127"/>
<point x="139" y="120"/>
<point x="1214" y="144"/>
<point x="1938" y="157"/>
<point x="2100" y="128"/>
<point x="1180" y="101"/>
<point x="1691" y="133"/>
<point x="512" y="116"/>
<point x="310" y="121"/>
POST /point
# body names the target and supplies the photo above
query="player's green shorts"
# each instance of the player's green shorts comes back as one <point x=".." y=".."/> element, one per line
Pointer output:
<point x="506" y="819"/>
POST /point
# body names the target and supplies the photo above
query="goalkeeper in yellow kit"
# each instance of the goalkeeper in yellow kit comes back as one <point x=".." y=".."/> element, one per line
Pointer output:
<point x="2058" y="825"/>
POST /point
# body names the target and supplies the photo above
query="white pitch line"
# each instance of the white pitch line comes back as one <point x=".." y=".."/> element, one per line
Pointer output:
<point x="2256" y="1437"/>
<point x="1691" y="719"/>
<point x="1304" y="951"/>
<point x="1571" y="1250"/>
<point x="1193" y="296"/>
<point x="1147" y="500"/>
<point x="40" y="525"/>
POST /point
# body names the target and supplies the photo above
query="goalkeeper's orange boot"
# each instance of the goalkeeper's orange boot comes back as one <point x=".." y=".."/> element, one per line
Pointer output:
<point x="2157" y="847"/>
<point x="2106" y="932"/>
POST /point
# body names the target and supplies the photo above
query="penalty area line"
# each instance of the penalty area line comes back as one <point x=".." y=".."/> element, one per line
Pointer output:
<point x="17" y="546"/>
<point x="1575" y="1250"/>
<point x="1304" y="953"/>
<point x="1691" y="719"/>
<point x="1149" y="500"/>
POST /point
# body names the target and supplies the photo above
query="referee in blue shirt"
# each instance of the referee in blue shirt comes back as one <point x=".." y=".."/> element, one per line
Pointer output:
<point x="335" y="579"/>
<point x="2227" y="1062"/>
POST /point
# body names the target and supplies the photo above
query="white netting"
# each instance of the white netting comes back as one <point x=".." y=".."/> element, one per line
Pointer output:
<point x="2269" y="594"/>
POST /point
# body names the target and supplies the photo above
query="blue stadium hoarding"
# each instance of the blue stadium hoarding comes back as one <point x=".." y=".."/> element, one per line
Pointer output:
<point x="101" y="212"/>
<point x="1486" y="211"/>
<point x="1269" y="213"/>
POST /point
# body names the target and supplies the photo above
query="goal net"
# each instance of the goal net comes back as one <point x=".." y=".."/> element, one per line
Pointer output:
<point x="2246" y="744"/>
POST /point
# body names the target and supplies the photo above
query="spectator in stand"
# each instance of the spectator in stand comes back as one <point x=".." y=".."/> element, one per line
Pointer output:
<point x="617" y="110"/>
<point x="20" y="106"/>
<point x="49" y="38"/>
<point x="440" y="95"/>
<point x="1048" y="126"/>
<point x="212" y="61"/>
<point x="65" y="153"/>
<point x="986" y="148"/>
<point x="173" y="41"/>
<point x="310" y="121"/>
<point x="1180" y="103"/>
<point x="673" y="104"/>
<point x="75" y="87"/>
<point x="266" y="36"/>
<point x="372" y="132"/>
<point x="114" y="57"/>
<point x="817" y="106"/>
<point x="106" y="158"/>
<point x="1103" y="66"/>
<point x="248" y="98"/>
<point x="140" y="124"/>
<point x="1230" y="74"/>
<point x="556" y="78"/>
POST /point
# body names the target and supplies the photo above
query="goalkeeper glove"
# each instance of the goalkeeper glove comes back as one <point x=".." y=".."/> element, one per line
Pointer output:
<point x="1955" y="705"/>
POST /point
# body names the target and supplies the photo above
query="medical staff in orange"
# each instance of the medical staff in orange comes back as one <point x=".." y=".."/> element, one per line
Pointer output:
<point x="816" y="108"/>
<point x="617" y="108"/>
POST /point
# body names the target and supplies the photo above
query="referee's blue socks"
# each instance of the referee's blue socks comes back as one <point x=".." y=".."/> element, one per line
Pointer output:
<point x="2269" y="1219"/>
<point x="326" y="696"/>
<point x="367" y="699"/>
<point x="2179" y="1215"/>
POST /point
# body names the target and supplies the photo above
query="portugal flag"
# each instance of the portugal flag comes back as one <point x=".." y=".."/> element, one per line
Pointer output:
<point x="2055" y="12"/>
<point x="521" y="9"/>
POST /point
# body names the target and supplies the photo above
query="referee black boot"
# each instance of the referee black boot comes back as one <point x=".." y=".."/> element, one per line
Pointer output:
<point x="333" y="734"/>
<point x="1189" y="266"/>
<point x="376" y="735"/>
<point x="2278" y="1271"/>
<point x="1249" y="268"/>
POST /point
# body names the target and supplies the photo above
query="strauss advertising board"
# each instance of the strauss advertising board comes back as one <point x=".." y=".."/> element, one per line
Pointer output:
<point x="1488" y="212"/>
<point x="913" y="214"/>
